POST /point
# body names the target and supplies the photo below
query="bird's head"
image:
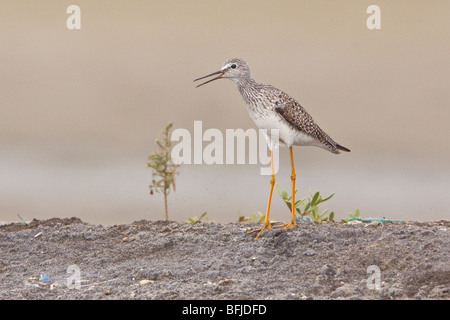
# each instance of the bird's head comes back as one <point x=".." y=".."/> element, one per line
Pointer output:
<point x="234" y="69"/>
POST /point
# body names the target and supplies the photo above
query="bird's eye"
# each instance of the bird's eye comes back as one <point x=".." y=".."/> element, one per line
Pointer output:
<point x="233" y="66"/>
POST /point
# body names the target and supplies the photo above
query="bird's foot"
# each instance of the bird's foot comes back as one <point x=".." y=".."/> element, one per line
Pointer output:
<point x="261" y="229"/>
<point x="287" y="225"/>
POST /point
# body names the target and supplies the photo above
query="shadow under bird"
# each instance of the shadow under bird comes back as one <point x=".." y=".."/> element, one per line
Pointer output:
<point x="271" y="108"/>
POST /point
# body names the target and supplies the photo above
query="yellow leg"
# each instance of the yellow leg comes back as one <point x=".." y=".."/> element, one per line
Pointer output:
<point x="266" y="224"/>
<point x="293" y="176"/>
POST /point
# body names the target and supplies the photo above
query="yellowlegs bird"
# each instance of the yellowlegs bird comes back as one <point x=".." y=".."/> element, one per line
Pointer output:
<point x="271" y="108"/>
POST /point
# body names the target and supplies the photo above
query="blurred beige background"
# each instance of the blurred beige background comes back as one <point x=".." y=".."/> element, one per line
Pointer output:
<point x="79" y="110"/>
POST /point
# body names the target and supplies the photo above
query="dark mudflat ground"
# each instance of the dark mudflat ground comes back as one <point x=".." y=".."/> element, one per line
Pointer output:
<point x="169" y="260"/>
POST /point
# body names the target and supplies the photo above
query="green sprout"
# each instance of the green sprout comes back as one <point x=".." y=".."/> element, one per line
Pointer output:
<point x="194" y="220"/>
<point x="310" y="205"/>
<point x="353" y="216"/>
<point x="255" y="217"/>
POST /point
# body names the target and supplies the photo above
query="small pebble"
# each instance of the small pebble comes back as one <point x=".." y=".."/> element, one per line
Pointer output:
<point x="145" y="281"/>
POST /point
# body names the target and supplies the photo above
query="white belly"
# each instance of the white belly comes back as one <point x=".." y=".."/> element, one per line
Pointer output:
<point x="286" y="133"/>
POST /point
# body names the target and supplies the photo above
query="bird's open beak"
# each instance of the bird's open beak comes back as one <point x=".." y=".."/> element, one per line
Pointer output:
<point x="220" y="73"/>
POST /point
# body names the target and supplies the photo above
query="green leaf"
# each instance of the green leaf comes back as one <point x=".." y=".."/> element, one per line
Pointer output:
<point x="307" y="206"/>
<point x="315" y="197"/>
<point x="277" y="186"/>
<point x="297" y="203"/>
<point x="289" y="205"/>
<point x="329" y="197"/>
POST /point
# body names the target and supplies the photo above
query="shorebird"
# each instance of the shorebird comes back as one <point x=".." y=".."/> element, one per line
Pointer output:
<point x="271" y="108"/>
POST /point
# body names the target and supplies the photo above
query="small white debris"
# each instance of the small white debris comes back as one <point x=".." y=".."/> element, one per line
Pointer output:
<point x="145" y="281"/>
<point x="226" y="281"/>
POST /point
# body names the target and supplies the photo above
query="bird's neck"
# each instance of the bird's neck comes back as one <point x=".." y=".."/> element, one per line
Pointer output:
<point x="249" y="90"/>
<point x="245" y="84"/>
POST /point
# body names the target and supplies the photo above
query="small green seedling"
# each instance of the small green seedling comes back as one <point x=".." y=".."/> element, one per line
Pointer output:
<point x="194" y="220"/>
<point x="353" y="216"/>
<point x="310" y="207"/>
<point x="255" y="217"/>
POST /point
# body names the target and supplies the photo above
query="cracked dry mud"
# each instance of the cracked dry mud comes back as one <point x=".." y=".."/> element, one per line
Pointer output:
<point x="169" y="260"/>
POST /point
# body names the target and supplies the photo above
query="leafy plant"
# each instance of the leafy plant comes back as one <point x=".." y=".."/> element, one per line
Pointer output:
<point x="194" y="220"/>
<point x="255" y="217"/>
<point x="310" y="205"/>
<point x="353" y="216"/>
<point x="164" y="169"/>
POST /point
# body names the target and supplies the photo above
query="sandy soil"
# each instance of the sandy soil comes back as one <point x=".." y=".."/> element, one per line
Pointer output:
<point x="169" y="260"/>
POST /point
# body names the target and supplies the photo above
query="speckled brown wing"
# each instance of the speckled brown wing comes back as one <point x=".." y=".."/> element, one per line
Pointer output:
<point x="296" y="116"/>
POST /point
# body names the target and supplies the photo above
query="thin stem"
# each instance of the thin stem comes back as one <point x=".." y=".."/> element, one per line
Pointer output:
<point x="165" y="205"/>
